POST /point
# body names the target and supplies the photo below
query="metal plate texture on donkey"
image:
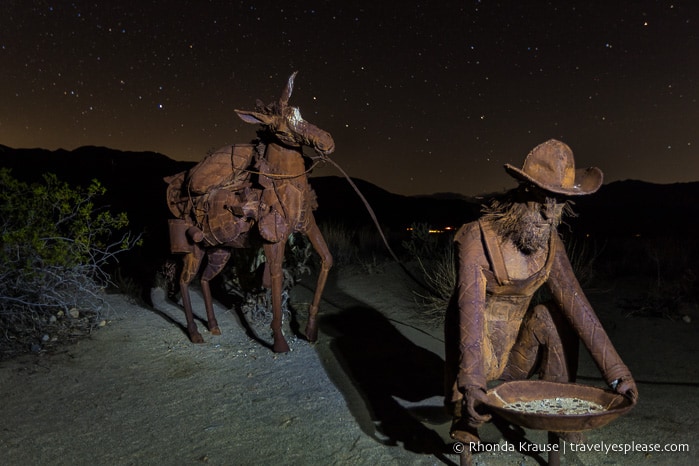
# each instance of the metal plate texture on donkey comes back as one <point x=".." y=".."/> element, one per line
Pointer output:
<point x="613" y="403"/>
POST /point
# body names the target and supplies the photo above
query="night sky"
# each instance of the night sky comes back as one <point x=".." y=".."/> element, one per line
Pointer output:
<point x="421" y="97"/>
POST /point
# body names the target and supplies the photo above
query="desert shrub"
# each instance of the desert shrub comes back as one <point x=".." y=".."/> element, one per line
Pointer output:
<point x="360" y="247"/>
<point x="242" y="277"/>
<point x="341" y="242"/>
<point x="434" y="255"/>
<point x="55" y="244"/>
<point x="422" y="243"/>
<point x="440" y="276"/>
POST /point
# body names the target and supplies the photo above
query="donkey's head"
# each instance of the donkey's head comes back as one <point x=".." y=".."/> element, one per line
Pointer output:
<point x="285" y="123"/>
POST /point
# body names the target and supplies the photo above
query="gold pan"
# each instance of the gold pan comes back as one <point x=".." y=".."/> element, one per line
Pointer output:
<point x="613" y="403"/>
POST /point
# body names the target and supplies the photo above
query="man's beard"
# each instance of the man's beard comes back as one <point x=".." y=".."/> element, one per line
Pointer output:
<point x="524" y="224"/>
<point x="532" y="232"/>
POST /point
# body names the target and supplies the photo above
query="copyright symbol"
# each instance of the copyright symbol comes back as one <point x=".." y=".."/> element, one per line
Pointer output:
<point x="458" y="447"/>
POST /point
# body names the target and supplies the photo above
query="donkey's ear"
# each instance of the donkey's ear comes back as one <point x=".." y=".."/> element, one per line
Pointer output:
<point x="254" y="117"/>
<point x="286" y="93"/>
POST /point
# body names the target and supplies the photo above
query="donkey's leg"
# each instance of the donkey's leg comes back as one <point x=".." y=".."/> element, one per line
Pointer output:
<point x="216" y="261"/>
<point x="274" y="253"/>
<point x="326" y="262"/>
<point x="192" y="261"/>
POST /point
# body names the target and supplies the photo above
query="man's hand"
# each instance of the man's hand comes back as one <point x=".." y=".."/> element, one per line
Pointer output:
<point x="474" y="396"/>
<point x="627" y="387"/>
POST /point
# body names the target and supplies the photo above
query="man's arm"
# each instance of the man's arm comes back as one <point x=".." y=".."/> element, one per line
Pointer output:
<point x="570" y="298"/>
<point x="471" y="295"/>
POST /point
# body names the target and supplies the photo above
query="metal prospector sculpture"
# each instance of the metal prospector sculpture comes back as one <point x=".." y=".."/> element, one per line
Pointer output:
<point x="492" y="332"/>
<point x="247" y="192"/>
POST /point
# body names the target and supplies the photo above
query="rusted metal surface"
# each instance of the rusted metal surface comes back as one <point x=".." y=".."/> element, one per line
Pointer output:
<point x="492" y="332"/>
<point x="614" y="405"/>
<point x="250" y="194"/>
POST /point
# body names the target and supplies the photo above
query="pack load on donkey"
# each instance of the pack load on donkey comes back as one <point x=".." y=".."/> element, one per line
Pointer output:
<point x="244" y="195"/>
<point x="215" y="197"/>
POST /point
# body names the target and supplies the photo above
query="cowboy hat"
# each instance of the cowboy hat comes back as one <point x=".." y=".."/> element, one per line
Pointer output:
<point x="551" y="167"/>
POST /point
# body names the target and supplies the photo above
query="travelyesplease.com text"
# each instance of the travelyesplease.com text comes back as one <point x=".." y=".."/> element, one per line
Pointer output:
<point x="626" y="448"/>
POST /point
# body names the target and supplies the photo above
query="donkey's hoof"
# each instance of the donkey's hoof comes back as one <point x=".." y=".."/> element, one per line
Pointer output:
<point x="215" y="331"/>
<point x="312" y="334"/>
<point x="312" y="329"/>
<point x="196" y="338"/>
<point x="281" y="347"/>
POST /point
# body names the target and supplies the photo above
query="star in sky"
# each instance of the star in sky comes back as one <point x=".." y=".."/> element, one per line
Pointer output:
<point x="420" y="97"/>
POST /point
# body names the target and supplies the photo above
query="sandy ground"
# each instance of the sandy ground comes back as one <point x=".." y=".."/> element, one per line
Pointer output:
<point x="369" y="392"/>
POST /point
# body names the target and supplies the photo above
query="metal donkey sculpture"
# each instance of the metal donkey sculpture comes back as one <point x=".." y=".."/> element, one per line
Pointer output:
<point x="246" y="193"/>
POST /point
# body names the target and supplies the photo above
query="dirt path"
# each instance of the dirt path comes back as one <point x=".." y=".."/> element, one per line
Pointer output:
<point x="369" y="392"/>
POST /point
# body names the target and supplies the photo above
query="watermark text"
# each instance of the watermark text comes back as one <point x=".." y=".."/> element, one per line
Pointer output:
<point x="599" y="447"/>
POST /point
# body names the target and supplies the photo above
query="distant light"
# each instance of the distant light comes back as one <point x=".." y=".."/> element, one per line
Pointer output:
<point x="433" y="231"/>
